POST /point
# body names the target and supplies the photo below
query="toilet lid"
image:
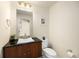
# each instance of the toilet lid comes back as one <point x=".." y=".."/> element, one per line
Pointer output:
<point x="50" y="51"/>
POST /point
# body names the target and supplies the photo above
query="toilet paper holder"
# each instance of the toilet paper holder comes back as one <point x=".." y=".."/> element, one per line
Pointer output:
<point x="70" y="53"/>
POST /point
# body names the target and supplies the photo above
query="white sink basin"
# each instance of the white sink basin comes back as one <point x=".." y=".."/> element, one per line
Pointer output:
<point x="25" y="40"/>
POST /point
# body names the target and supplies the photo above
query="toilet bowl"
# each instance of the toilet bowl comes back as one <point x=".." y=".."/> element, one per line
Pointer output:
<point x="49" y="53"/>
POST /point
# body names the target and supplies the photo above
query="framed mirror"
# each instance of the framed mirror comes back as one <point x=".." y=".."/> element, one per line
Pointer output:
<point x="24" y="23"/>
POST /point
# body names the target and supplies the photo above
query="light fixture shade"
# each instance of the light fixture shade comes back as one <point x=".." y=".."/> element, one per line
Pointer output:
<point x="19" y="3"/>
<point x="24" y="4"/>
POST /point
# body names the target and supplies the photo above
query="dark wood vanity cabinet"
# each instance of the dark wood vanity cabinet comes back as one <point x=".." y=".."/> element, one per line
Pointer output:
<point x="28" y="50"/>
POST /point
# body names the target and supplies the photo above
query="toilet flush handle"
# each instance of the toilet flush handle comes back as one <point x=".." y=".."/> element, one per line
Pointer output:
<point x="43" y="37"/>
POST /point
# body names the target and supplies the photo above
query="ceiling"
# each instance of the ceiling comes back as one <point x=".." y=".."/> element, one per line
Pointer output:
<point x="42" y="3"/>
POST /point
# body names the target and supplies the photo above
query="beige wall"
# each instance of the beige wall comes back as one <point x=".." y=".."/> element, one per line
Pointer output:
<point x="64" y="27"/>
<point x="4" y="29"/>
<point x="40" y="30"/>
<point x="13" y="6"/>
<point x="7" y="11"/>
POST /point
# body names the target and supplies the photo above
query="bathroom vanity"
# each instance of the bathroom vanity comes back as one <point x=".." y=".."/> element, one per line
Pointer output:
<point x="23" y="50"/>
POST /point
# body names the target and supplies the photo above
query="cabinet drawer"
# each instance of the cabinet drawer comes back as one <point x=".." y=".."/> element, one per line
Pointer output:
<point x="36" y="49"/>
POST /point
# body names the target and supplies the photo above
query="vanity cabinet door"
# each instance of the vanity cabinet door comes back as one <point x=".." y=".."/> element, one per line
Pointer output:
<point x="36" y="49"/>
<point x="39" y="49"/>
<point x="10" y="52"/>
<point x="19" y="51"/>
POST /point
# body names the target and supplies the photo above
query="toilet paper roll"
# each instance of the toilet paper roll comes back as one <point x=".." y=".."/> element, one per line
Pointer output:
<point x="70" y="54"/>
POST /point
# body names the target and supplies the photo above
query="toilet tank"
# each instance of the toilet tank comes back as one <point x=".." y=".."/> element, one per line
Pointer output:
<point x="44" y="42"/>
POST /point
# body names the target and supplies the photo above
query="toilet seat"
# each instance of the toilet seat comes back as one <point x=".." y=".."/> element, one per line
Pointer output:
<point x="49" y="51"/>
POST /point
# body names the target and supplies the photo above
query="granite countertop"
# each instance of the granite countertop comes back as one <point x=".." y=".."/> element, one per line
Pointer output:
<point x="15" y="44"/>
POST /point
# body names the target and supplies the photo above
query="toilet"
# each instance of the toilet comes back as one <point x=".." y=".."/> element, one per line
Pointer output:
<point x="47" y="52"/>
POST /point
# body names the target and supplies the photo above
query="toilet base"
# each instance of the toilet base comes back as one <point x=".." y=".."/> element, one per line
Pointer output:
<point x="47" y="55"/>
<point x="44" y="56"/>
